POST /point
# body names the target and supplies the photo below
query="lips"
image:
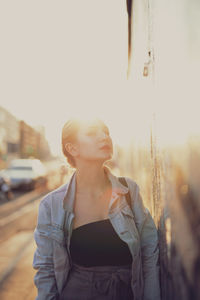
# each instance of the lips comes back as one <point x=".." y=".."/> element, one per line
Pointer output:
<point x="105" y="147"/>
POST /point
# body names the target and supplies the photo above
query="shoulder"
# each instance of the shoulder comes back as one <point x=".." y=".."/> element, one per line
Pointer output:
<point x="132" y="185"/>
<point x="140" y="209"/>
<point x="54" y="195"/>
<point x="50" y="204"/>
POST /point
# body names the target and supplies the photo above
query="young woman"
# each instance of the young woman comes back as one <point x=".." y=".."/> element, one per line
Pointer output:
<point x="90" y="243"/>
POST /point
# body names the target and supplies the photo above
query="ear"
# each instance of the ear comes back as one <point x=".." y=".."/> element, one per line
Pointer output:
<point x="72" y="149"/>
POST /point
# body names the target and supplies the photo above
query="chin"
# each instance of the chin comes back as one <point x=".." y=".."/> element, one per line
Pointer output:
<point x="108" y="157"/>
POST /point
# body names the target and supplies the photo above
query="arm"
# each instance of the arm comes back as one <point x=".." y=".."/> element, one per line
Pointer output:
<point x="44" y="279"/>
<point x="150" y="255"/>
<point x="149" y="244"/>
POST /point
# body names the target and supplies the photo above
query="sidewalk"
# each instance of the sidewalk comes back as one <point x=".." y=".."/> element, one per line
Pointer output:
<point x="18" y="284"/>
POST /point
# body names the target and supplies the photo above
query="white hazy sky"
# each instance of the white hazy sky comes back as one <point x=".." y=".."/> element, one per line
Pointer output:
<point x="60" y="59"/>
<point x="69" y="58"/>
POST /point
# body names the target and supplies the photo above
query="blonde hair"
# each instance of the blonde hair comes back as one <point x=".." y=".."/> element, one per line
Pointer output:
<point x="69" y="132"/>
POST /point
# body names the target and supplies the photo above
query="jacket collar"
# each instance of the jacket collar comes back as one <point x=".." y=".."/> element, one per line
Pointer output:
<point x="117" y="189"/>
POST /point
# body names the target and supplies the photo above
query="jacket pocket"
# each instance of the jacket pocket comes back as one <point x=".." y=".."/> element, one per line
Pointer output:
<point x="127" y="211"/>
<point x="130" y="221"/>
<point x="58" y="235"/>
<point x="124" y="225"/>
<point x="52" y="232"/>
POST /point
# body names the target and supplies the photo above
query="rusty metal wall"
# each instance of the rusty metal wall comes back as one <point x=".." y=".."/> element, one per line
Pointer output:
<point x="164" y="55"/>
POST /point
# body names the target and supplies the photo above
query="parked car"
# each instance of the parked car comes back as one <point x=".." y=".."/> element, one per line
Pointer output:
<point x="26" y="173"/>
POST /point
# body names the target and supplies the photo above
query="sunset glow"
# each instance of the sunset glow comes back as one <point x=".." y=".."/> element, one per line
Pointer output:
<point x="83" y="72"/>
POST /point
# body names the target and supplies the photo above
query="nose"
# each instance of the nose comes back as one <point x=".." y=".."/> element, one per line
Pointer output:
<point x="105" y="138"/>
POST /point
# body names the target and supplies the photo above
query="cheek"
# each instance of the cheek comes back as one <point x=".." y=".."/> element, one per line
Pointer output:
<point x="87" y="148"/>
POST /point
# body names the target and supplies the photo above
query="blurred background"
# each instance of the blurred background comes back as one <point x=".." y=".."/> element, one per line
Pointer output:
<point x="135" y="65"/>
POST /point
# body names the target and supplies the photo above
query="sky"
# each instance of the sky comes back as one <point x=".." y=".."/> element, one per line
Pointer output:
<point x="64" y="59"/>
<point x="69" y="58"/>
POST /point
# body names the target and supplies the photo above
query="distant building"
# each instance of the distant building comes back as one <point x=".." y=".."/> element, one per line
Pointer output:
<point x="9" y="135"/>
<point x="18" y="139"/>
<point x="43" y="146"/>
<point x="28" y="140"/>
<point x="33" y="142"/>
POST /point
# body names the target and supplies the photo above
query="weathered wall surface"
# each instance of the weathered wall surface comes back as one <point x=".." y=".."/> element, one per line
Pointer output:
<point x="165" y="55"/>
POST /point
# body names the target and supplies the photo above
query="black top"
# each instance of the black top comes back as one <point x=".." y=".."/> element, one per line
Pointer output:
<point x="97" y="244"/>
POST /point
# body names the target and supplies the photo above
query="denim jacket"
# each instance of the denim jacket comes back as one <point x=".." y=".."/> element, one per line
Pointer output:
<point x="54" y="227"/>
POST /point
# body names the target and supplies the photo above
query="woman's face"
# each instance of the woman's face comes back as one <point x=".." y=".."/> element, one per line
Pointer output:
<point x="93" y="142"/>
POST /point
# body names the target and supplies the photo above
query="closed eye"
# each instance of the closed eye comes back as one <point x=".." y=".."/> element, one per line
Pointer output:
<point x="94" y="129"/>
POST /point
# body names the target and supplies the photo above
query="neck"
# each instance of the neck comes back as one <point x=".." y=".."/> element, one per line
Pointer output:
<point x="91" y="179"/>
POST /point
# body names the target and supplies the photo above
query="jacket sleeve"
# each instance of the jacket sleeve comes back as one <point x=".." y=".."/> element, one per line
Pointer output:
<point x="44" y="278"/>
<point x="150" y="255"/>
<point x="149" y="245"/>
